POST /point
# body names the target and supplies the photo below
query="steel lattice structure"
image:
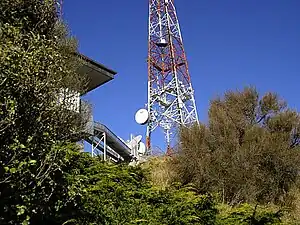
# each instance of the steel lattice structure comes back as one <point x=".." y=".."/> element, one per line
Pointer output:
<point x="170" y="94"/>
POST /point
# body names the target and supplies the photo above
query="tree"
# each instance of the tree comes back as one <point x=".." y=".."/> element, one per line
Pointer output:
<point x="248" y="151"/>
<point x="37" y="62"/>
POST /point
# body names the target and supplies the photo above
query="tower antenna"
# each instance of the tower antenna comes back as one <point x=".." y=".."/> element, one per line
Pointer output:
<point x="171" y="101"/>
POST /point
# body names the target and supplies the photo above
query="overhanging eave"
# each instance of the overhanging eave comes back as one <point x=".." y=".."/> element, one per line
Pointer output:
<point x="97" y="74"/>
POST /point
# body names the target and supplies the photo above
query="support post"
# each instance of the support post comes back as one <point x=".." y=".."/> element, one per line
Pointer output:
<point x="104" y="146"/>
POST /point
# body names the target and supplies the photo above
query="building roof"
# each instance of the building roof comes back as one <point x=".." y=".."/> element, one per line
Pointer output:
<point x="97" y="73"/>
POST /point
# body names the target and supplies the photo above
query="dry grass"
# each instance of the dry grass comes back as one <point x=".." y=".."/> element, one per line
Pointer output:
<point x="161" y="174"/>
<point x="293" y="216"/>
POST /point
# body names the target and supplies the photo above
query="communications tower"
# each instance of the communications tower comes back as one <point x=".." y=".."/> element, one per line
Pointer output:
<point x="171" y="101"/>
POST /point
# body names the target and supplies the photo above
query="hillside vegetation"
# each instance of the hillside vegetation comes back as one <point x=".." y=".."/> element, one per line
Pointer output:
<point x="247" y="155"/>
<point x="248" y="152"/>
<point x="240" y="168"/>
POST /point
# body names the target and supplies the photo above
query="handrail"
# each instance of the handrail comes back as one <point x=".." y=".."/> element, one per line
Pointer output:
<point x="117" y="144"/>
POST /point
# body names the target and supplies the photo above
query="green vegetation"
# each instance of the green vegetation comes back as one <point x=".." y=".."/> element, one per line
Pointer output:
<point x="36" y="62"/>
<point x="241" y="168"/>
<point x="101" y="193"/>
<point x="248" y="153"/>
<point x="248" y="214"/>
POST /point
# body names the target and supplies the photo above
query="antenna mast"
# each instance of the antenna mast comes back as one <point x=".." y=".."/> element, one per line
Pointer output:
<point x="171" y="100"/>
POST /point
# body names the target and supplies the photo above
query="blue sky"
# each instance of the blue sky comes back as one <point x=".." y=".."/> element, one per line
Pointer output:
<point x="229" y="44"/>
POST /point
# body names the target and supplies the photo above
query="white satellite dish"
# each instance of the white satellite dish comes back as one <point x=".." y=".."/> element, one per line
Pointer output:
<point x="142" y="116"/>
<point x="142" y="148"/>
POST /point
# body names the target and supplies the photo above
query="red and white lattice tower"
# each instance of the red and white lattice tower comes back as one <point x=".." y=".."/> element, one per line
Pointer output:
<point x="171" y="101"/>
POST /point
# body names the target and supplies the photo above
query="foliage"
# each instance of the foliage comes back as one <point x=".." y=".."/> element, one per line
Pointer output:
<point x="248" y="152"/>
<point x="246" y="214"/>
<point x="36" y="61"/>
<point x="117" y="194"/>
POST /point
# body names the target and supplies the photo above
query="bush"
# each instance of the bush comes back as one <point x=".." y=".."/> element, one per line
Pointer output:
<point x="248" y="152"/>
<point x="110" y="194"/>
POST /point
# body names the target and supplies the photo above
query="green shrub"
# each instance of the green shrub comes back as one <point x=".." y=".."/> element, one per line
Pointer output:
<point x="247" y="214"/>
<point x="110" y="194"/>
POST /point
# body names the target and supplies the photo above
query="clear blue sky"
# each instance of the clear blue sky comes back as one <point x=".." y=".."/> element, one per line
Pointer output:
<point x="229" y="44"/>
